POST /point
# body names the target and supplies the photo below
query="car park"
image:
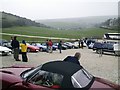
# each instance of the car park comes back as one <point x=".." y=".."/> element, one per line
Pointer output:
<point x="50" y="76"/>
<point x="5" y="51"/>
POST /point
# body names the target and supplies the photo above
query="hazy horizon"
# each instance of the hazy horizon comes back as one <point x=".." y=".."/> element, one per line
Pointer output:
<point x="60" y="9"/>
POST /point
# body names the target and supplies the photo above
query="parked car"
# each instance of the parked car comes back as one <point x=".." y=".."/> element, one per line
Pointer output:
<point x="31" y="48"/>
<point x="68" y="44"/>
<point x="89" y="41"/>
<point x="41" y="47"/>
<point x="75" y="44"/>
<point x="2" y="42"/>
<point x="107" y="47"/>
<point x="51" y="76"/>
<point x="90" y="46"/>
<point x="63" y="46"/>
<point x="97" y="45"/>
<point x="8" y="45"/>
<point x="5" y="51"/>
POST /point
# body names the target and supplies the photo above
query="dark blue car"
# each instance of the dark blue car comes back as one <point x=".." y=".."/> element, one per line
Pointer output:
<point x="106" y="47"/>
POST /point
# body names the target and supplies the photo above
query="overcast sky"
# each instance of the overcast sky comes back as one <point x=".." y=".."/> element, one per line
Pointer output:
<point x="52" y="9"/>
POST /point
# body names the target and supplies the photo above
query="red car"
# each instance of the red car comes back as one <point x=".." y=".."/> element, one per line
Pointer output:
<point x="52" y="75"/>
<point x="31" y="48"/>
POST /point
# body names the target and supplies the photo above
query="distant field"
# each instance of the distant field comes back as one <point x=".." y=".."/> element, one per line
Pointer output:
<point x="38" y="31"/>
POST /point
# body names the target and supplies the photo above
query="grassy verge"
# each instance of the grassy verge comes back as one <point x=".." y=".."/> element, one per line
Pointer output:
<point x="38" y="31"/>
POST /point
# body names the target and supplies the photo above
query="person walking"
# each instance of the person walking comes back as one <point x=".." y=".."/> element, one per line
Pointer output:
<point x="15" y="46"/>
<point x="50" y="45"/>
<point x="73" y="59"/>
<point x="82" y="44"/>
<point x="24" y="51"/>
<point x="79" y="41"/>
<point x="60" y="46"/>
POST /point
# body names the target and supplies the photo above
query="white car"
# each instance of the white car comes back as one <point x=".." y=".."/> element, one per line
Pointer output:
<point x="5" y="51"/>
<point x="76" y="44"/>
<point x="90" y="46"/>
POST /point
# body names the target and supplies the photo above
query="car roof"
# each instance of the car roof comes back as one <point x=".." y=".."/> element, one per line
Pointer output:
<point x="61" y="67"/>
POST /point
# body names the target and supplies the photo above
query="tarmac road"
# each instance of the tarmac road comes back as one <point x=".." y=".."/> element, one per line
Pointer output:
<point x="105" y="66"/>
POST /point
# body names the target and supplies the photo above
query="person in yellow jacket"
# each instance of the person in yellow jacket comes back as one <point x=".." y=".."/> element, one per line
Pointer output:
<point x="24" y="51"/>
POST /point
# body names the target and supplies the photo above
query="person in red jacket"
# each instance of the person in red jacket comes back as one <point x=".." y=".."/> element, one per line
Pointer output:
<point x="50" y="45"/>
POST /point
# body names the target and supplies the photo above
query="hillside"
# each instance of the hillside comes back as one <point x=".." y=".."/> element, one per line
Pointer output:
<point x="9" y="20"/>
<point x="76" y="23"/>
<point x="112" y="23"/>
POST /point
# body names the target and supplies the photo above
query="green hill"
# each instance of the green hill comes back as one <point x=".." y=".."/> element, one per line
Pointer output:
<point x="9" y="20"/>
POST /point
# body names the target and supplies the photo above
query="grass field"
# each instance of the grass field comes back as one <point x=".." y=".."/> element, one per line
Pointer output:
<point x="38" y="31"/>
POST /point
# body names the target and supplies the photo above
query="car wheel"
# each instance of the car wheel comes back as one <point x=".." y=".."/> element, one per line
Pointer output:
<point x="99" y="51"/>
<point x="41" y="49"/>
<point x="117" y="53"/>
<point x="9" y="53"/>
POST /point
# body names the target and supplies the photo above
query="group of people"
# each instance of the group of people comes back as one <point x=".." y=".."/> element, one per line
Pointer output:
<point x="15" y="46"/>
<point x="49" y="44"/>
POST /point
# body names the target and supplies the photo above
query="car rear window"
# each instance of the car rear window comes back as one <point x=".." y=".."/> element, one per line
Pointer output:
<point x="81" y="79"/>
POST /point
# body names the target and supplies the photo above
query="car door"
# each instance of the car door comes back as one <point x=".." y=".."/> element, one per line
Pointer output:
<point x="27" y="86"/>
<point x="108" y="47"/>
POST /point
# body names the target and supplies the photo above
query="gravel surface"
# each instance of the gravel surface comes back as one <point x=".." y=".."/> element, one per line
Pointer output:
<point x="105" y="66"/>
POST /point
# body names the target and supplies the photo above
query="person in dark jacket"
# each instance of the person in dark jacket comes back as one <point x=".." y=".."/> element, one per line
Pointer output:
<point x="15" y="45"/>
<point x="60" y="46"/>
<point x="82" y="44"/>
<point x="73" y="59"/>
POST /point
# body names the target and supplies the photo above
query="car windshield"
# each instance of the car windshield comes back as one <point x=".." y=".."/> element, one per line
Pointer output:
<point x="30" y="72"/>
<point x="81" y="78"/>
<point x="45" y="78"/>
